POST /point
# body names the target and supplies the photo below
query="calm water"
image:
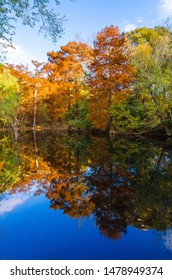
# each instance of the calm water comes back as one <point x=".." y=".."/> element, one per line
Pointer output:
<point x="79" y="198"/>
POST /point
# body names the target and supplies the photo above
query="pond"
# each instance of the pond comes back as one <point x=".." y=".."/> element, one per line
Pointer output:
<point x="76" y="198"/>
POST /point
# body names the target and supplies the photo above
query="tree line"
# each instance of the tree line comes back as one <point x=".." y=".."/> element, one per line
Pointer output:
<point x="122" y="82"/>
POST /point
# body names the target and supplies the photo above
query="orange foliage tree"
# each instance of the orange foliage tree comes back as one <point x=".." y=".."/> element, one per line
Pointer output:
<point x="66" y="70"/>
<point x="111" y="75"/>
<point x="34" y="91"/>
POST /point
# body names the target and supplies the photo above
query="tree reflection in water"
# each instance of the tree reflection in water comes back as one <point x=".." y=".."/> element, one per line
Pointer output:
<point x="120" y="182"/>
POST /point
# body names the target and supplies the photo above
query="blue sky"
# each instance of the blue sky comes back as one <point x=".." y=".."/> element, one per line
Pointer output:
<point x="84" y="19"/>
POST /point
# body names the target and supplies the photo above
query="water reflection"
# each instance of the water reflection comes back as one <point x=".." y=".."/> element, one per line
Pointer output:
<point x="10" y="201"/>
<point x="120" y="182"/>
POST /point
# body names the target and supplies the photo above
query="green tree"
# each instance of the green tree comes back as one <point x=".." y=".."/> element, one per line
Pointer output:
<point x="153" y="59"/>
<point x="129" y="114"/>
<point x="9" y="100"/>
<point x="9" y="164"/>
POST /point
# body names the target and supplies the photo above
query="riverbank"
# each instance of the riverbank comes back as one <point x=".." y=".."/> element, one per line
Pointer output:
<point x="160" y="132"/>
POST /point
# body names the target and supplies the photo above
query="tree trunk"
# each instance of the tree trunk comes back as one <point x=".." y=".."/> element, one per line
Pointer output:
<point x="156" y="105"/>
<point x="36" y="151"/>
<point x="16" y="134"/>
<point x="35" y="107"/>
<point x="166" y="100"/>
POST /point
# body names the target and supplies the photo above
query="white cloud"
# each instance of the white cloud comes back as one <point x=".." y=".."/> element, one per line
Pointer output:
<point x="168" y="239"/>
<point x="10" y="204"/>
<point x="11" y="201"/>
<point x="165" y="8"/>
<point x="129" y="27"/>
<point x="18" y="55"/>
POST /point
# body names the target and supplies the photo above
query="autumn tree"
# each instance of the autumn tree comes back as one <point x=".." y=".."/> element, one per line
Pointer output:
<point x="111" y="76"/>
<point x="23" y="76"/>
<point x="66" y="70"/>
<point x="41" y="89"/>
<point x="34" y="90"/>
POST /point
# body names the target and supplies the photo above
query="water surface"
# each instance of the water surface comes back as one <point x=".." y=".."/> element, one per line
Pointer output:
<point x="74" y="197"/>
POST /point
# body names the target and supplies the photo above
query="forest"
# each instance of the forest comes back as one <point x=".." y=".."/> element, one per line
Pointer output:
<point x="120" y="84"/>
